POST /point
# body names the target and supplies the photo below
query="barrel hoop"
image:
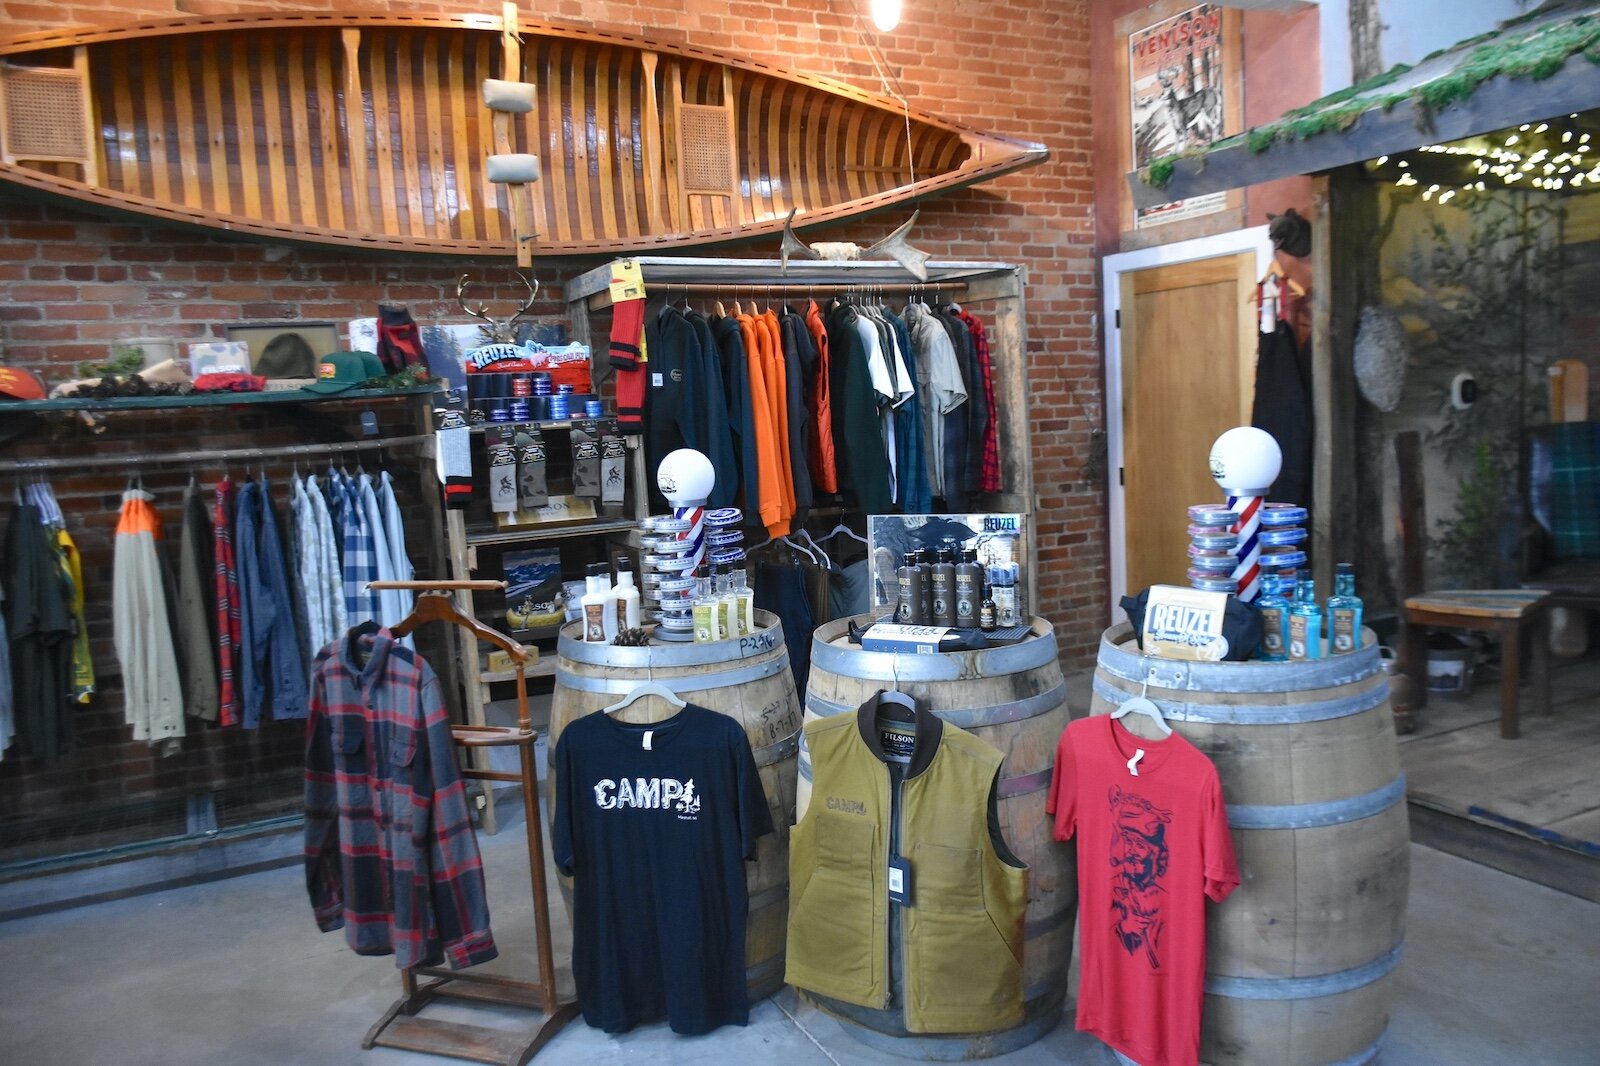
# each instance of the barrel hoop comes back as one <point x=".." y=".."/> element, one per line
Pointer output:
<point x="768" y="636"/>
<point x="1312" y="815"/>
<point x="760" y="900"/>
<point x="778" y="752"/>
<point x="967" y="718"/>
<point x="1250" y="714"/>
<point x="1331" y="672"/>
<point x="754" y="975"/>
<point x="1040" y="926"/>
<point x="850" y="661"/>
<point x="697" y="682"/>
<point x="1041" y="1007"/>
<point x="1328" y="984"/>
<point x="1024" y="784"/>
<point x="1009" y="786"/>
<point x="1360" y="1058"/>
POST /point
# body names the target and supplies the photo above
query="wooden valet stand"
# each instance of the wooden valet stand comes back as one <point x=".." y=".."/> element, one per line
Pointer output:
<point x="400" y="1026"/>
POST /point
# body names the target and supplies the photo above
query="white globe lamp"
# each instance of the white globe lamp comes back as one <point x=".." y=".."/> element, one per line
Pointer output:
<point x="685" y="478"/>
<point x="1245" y="461"/>
<point x="886" y="14"/>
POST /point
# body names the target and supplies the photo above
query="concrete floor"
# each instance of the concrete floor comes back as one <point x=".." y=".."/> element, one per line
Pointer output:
<point x="1496" y="970"/>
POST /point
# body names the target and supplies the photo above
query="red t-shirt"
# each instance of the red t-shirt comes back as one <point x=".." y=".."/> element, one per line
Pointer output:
<point x="1151" y="847"/>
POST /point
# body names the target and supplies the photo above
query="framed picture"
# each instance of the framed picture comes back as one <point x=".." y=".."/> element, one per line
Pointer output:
<point x="321" y="337"/>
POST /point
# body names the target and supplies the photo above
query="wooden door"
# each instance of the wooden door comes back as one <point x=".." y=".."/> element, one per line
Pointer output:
<point x="1188" y="373"/>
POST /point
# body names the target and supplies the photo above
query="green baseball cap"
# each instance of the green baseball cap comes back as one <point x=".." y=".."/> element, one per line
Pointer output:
<point x="339" y="371"/>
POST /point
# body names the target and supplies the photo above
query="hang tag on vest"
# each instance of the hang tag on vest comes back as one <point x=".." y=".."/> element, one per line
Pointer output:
<point x="900" y="882"/>
<point x="1133" y="763"/>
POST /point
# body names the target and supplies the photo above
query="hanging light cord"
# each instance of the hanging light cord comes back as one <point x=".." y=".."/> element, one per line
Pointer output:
<point x="889" y="80"/>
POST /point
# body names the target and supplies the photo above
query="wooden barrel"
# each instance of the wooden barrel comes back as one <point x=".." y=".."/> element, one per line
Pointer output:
<point x="1014" y="698"/>
<point x="1300" y="958"/>
<point x="748" y="679"/>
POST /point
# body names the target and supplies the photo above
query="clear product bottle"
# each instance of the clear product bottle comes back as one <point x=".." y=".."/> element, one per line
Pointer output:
<point x="706" y="630"/>
<point x="986" y="612"/>
<point x="1305" y="622"/>
<point x="727" y="606"/>
<point x="969" y="589"/>
<point x="626" y="595"/>
<point x="1344" y="612"/>
<point x="744" y="599"/>
<point x="599" y="623"/>
<point x="1274" y="607"/>
<point x="913" y="587"/>
<point x="943" y="581"/>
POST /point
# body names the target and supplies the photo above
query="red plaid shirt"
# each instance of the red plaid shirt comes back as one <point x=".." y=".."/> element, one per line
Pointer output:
<point x="989" y="479"/>
<point x="228" y="601"/>
<point x="390" y="852"/>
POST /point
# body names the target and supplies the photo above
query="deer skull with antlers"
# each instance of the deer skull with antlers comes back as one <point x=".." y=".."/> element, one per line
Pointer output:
<point x="497" y="330"/>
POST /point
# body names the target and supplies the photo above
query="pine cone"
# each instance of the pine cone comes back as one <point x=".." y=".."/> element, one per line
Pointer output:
<point x="632" y="638"/>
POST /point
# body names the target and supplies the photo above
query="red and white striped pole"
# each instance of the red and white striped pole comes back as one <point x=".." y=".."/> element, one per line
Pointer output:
<point x="1245" y="461"/>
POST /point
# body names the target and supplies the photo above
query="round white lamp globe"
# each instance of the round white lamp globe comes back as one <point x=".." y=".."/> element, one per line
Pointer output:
<point x="886" y="14"/>
<point x="1245" y="461"/>
<point x="685" y="478"/>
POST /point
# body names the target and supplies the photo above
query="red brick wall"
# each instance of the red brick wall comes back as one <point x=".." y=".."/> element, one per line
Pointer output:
<point x="73" y="283"/>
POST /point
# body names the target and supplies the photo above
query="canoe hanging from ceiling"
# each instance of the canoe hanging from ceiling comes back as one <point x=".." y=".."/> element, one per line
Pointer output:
<point x="370" y="130"/>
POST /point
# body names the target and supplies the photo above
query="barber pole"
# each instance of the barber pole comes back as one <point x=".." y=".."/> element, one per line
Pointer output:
<point x="695" y="535"/>
<point x="1248" y="551"/>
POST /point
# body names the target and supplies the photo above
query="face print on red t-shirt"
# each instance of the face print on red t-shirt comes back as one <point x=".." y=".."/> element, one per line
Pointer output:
<point x="1139" y="859"/>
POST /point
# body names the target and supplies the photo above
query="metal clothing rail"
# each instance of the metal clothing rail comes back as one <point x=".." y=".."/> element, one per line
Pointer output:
<point x="9" y="466"/>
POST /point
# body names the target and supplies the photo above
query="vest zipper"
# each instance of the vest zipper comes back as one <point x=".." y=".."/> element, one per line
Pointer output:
<point x="897" y="912"/>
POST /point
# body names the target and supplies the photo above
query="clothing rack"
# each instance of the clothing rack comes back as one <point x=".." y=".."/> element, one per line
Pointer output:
<point x="401" y="1026"/>
<point x="8" y="466"/>
<point x="797" y="285"/>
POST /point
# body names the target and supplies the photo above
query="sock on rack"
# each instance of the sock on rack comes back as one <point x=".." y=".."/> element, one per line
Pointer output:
<point x="627" y="355"/>
<point x="399" y="340"/>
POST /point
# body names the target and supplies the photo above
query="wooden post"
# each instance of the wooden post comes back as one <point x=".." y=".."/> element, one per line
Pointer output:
<point x="1339" y="229"/>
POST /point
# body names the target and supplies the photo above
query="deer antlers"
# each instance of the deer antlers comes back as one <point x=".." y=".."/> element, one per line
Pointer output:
<point x="498" y="330"/>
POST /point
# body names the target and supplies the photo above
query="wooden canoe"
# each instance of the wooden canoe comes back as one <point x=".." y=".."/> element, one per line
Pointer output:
<point x="370" y="130"/>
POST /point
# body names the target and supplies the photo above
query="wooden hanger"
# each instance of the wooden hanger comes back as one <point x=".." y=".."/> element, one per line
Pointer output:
<point x="1275" y="273"/>
<point x="439" y="606"/>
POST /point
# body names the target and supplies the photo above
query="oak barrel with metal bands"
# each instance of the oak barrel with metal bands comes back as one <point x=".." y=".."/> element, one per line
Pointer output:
<point x="1014" y="698"/>
<point x="1300" y="957"/>
<point x="748" y="679"/>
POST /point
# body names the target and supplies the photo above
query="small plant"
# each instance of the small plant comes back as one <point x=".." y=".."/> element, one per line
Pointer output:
<point x="1468" y="543"/>
<point x="126" y="359"/>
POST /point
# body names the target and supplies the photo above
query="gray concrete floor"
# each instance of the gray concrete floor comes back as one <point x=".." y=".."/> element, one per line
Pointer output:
<point x="1496" y="970"/>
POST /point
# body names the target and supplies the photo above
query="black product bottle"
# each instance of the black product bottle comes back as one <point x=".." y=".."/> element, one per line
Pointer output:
<point x="925" y="559"/>
<point x="986" y="613"/>
<point x="969" y="589"/>
<point x="944" y="590"/>
<point x="913" y="592"/>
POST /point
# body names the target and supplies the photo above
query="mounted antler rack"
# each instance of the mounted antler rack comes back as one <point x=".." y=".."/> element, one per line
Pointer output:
<point x="498" y="330"/>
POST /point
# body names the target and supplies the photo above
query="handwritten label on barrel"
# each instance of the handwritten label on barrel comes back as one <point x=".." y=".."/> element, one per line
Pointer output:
<point x="756" y="643"/>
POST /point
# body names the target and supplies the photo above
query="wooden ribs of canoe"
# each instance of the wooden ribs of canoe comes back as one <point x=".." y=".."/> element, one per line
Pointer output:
<point x="370" y="130"/>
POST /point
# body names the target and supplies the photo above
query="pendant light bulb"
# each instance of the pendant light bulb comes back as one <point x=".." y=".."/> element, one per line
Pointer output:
<point x="886" y="14"/>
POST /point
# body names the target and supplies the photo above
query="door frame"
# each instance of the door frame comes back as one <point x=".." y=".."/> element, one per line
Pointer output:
<point x="1253" y="239"/>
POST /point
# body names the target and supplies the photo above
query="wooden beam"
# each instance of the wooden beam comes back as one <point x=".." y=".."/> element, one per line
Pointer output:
<point x="1338" y="237"/>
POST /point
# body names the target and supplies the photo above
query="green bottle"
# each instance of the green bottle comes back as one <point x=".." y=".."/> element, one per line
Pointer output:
<point x="1274" y="606"/>
<point x="1305" y="622"/>
<point x="1344" y="612"/>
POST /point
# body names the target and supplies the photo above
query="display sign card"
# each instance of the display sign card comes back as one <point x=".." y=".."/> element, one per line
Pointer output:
<point x="1185" y="623"/>
<point x="1001" y="541"/>
<point x="627" y="281"/>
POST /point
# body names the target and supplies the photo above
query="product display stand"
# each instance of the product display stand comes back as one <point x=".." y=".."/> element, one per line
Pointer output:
<point x="400" y="1027"/>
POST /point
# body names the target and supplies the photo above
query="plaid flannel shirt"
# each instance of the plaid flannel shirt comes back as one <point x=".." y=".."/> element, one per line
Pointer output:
<point x="389" y="851"/>
<point x="360" y="558"/>
<point x="229" y="623"/>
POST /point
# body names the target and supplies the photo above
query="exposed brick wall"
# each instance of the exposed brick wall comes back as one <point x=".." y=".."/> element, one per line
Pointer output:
<point x="74" y="283"/>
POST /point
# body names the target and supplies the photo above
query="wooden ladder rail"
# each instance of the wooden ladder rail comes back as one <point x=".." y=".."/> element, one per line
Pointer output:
<point x="400" y="1026"/>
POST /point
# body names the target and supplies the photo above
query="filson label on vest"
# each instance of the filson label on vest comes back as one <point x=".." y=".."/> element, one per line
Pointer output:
<point x="649" y="794"/>
<point x="846" y="806"/>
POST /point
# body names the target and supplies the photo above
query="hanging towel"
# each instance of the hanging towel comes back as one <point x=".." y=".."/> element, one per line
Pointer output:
<point x="141" y="628"/>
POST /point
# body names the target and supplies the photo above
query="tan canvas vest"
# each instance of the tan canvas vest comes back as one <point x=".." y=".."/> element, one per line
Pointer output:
<point x="961" y="937"/>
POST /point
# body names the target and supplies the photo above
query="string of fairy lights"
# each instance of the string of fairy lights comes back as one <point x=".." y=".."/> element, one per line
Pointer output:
<point x="1538" y="154"/>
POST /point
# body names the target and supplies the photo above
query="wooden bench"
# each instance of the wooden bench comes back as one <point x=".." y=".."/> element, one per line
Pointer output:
<point x="1512" y="614"/>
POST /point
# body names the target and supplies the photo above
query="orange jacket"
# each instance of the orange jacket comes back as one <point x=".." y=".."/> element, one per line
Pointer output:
<point x="777" y="387"/>
<point x="770" y="506"/>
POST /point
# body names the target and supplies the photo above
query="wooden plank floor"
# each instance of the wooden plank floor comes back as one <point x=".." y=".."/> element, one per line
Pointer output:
<point x="1543" y="789"/>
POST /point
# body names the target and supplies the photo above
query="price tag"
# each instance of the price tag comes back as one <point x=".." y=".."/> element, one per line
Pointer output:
<point x="627" y="282"/>
<point x="1133" y="763"/>
<point x="900" y="882"/>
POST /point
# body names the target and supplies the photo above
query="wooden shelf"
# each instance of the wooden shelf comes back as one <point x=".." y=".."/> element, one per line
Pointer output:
<point x="545" y="667"/>
<point x="209" y="399"/>
<point x="583" y="527"/>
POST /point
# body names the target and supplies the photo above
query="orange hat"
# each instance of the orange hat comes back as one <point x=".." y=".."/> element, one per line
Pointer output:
<point x="19" y="384"/>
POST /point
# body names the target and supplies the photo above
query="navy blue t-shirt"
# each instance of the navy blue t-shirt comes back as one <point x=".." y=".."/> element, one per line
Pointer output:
<point x="653" y="823"/>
